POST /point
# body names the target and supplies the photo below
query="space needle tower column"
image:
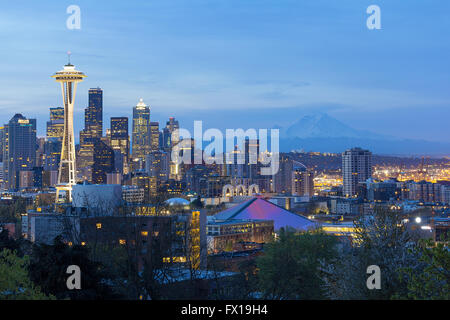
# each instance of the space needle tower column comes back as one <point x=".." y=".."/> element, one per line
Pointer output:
<point x="68" y="78"/>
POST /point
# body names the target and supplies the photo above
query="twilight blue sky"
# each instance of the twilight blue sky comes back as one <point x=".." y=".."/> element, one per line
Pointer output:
<point x="236" y="63"/>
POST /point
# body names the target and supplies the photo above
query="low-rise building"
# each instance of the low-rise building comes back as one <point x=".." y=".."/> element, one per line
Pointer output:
<point x="133" y="194"/>
<point x="238" y="235"/>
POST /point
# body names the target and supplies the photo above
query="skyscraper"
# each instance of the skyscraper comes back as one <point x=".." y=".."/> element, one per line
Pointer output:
<point x="93" y="128"/>
<point x="93" y="116"/>
<point x="141" y="130"/>
<point x="170" y="139"/>
<point x="52" y="152"/>
<point x="120" y="143"/>
<point x="53" y="143"/>
<point x="302" y="180"/>
<point x="68" y="78"/>
<point x="282" y="180"/>
<point x="154" y="134"/>
<point x="86" y="152"/>
<point x="356" y="169"/>
<point x="148" y="183"/>
<point x="55" y="127"/>
<point x="2" y="137"/>
<point x="19" y="148"/>
<point x="103" y="162"/>
<point x="157" y="165"/>
<point x="171" y="126"/>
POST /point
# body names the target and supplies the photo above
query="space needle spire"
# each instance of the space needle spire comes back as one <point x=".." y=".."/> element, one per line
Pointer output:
<point x="68" y="78"/>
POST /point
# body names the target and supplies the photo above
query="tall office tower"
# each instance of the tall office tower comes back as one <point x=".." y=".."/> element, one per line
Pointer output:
<point x="149" y="184"/>
<point x="234" y="169"/>
<point x="103" y="162"/>
<point x="2" y="137"/>
<point x="5" y="155"/>
<point x="157" y="165"/>
<point x="302" y="180"/>
<point x="53" y="143"/>
<point x="171" y="139"/>
<point x="52" y="154"/>
<point x="40" y="151"/>
<point x="196" y="179"/>
<point x="171" y="126"/>
<point x="107" y="138"/>
<point x="55" y="127"/>
<point x="154" y="136"/>
<point x="356" y="169"/>
<point x="2" y="181"/>
<point x="93" y="128"/>
<point x="68" y="78"/>
<point x="93" y="116"/>
<point x="20" y="148"/>
<point x="282" y="180"/>
<point x="56" y="113"/>
<point x="120" y="143"/>
<point x="243" y="162"/>
<point x="86" y="152"/>
<point x="37" y="177"/>
<point x="252" y="165"/>
<point x="141" y="130"/>
<point x="184" y="151"/>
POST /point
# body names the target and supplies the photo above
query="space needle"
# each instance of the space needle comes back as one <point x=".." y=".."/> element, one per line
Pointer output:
<point x="68" y="78"/>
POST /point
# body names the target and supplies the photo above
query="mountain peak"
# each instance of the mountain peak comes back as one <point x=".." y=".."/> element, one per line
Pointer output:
<point x="321" y="125"/>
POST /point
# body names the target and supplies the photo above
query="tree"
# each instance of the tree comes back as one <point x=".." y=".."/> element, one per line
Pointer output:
<point x="431" y="279"/>
<point x="197" y="203"/>
<point x="14" y="281"/>
<point x="11" y="212"/>
<point x="380" y="239"/>
<point x="20" y="246"/>
<point x="289" y="268"/>
<point x="48" y="268"/>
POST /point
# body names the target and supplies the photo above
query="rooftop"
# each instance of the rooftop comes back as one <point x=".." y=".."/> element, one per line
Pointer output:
<point x="260" y="209"/>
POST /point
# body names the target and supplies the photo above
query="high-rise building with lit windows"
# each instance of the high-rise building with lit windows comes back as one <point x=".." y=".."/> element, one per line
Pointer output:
<point x="93" y="128"/>
<point x="154" y="136"/>
<point x="93" y="116"/>
<point x="103" y="162"/>
<point x="19" y="149"/>
<point x="53" y="141"/>
<point x="171" y="126"/>
<point x="157" y="165"/>
<point x="141" y="130"/>
<point x="55" y="127"/>
<point x="120" y="143"/>
<point x="302" y="180"/>
<point x="356" y="169"/>
<point x="2" y="137"/>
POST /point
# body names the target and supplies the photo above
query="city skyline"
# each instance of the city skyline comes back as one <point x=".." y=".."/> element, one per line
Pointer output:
<point x="224" y="150"/>
<point x="213" y="72"/>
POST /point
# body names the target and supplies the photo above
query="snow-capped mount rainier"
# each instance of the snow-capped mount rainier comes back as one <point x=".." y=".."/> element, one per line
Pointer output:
<point x="323" y="133"/>
<point x="322" y="125"/>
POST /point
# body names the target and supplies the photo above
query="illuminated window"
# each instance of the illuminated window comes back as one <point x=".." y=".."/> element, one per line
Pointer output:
<point x="122" y="241"/>
<point x="99" y="225"/>
<point x="83" y="243"/>
<point x="144" y="233"/>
